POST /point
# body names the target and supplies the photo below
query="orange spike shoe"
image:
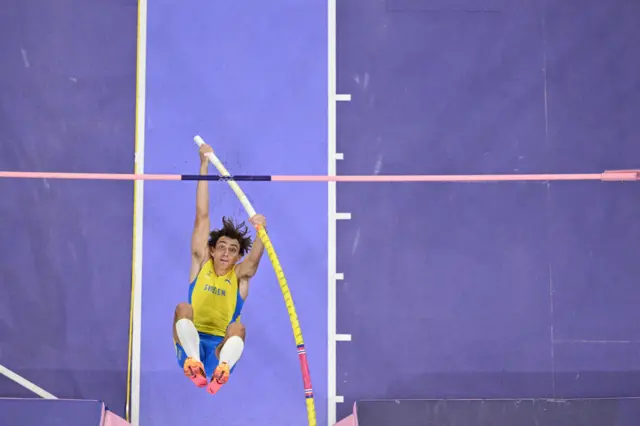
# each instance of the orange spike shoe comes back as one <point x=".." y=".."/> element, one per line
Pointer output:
<point x="219" y="378"/>
<point x="194" y="370"/>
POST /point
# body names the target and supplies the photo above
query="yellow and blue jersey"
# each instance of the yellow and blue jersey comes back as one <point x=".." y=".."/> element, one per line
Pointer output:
<point x="215" y="300"/>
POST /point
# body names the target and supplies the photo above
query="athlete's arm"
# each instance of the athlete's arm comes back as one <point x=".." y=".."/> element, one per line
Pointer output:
<point x="201" y="228"/>
<point x="249" y="266"/>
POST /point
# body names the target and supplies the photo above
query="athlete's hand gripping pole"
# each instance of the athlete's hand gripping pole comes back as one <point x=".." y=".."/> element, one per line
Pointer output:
<point x="282" y="281"/>
<point x="224" y="172"/>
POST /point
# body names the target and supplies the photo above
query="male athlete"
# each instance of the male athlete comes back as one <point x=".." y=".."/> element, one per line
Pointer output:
<point x="207" y="332"/>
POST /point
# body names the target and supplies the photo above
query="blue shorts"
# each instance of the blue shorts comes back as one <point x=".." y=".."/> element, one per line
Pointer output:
<point x="208" y="345"/>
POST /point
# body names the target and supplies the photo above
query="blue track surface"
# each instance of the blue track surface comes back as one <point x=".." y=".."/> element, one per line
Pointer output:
<point x="252" y="82"/>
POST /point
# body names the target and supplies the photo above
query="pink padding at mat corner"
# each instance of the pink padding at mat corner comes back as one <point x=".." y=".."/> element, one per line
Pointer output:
<point x="111" y="419"/>
<point x="347" y="421"/>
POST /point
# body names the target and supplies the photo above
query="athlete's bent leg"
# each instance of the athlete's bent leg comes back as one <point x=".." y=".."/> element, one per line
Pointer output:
<point x="233" y="344"/>
<point x="228" y="352"/>
<point x="185" y="333"/>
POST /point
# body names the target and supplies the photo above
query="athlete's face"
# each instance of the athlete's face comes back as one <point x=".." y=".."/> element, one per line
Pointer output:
<point x="226" y="252"/>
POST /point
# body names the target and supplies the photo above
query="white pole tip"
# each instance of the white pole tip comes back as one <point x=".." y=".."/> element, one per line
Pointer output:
<point x="199" y="141"/>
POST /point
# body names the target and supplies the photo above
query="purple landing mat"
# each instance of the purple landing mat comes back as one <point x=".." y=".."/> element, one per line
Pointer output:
<point x="500" y="412"/>
<point x="499" y="290"/>
<point x="471" y="292"/>
<point x="494" y="87"/>
<point x="67" y="103"/>
<point x="46" y="412"/>
<point x="458" y="303"/>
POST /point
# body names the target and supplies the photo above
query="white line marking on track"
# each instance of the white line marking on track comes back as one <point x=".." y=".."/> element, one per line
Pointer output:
<point x="133" y="405"/>
<point x="343" y="337"/>
<point x="25" y="383"/>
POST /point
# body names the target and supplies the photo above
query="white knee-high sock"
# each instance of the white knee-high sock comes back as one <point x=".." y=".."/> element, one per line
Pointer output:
<point x="232" y="350"/>
<point x="189" y="338"/>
